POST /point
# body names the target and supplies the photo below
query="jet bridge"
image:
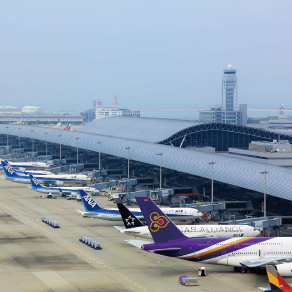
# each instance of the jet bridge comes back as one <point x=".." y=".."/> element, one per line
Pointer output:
<point x="262" y="223"/>
<point x="125" y="183"/>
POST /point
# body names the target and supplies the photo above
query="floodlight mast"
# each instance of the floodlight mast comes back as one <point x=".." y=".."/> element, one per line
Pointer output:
<point x="160" y="178"/>
<point x="128" y="148"/>
<point x="77" y="148"/>
<point x="99" y="156"/>
<point x="60" y="147"/>
<point x="212" y="185"/>
<point x="265" y="195"/>
<point x="7" y="127"/>
<point x="46" y="143"/>
<point x="19" y="136"/>
<point x="32" y="140"/>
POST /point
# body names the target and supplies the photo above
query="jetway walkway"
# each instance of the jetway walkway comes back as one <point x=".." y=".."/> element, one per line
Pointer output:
<point x="262" y="223"/>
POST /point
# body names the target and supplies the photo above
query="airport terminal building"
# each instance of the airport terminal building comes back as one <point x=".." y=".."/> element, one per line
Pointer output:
<point x="148" y="137"/>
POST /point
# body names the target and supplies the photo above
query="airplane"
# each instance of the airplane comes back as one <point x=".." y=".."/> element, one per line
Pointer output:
<point x="58" y="126"/>
<point x="68" y="127"/>
<point x="94" y="211"/>
<point x="58" y="180"/>
<point x="29" y="165"/>
<point x="277" y="283"/>
<point x="22" y="170"/>
<point x="134" y="227"/>
<point x="245" y="253"/>
<point x="35" y="185"/>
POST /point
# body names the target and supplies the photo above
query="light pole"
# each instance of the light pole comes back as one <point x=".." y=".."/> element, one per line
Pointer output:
<point x="160" y="180"/>
<point x="60" y="146"/>
<point x="212" y="198"/>
<point x="77" y="148"/>
<point x="32" y="140"/>
<point x="128" y="148"/>
<point x="265" y="199"/>
<point x="46" y="143"/>
<point x="7" y="134"/>
<point x="99" y="156"/>
<point x="19" y="136"/>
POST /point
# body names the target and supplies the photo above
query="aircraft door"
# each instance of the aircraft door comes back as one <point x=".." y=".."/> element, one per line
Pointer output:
<point x="224" y="255"/>
<point x="261" y="253"/>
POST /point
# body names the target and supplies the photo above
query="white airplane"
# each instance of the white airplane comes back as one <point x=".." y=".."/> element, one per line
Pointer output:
<point x="58" y="180"/>
<point x="134" y="227"/>
<point x="23" y="171"/>
<point x="35" y="185"/>
<point x="29" y="165"/>
<point x="245" y="253"/>
<point x="94" y="211"/>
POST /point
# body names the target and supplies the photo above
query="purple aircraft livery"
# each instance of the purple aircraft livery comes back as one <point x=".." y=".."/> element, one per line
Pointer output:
<point x="244" y="253"/>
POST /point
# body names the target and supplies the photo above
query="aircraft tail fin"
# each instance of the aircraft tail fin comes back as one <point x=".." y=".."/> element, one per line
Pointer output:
<point x="57" y="126"/>
<point x="68" y="127"/>
<point x="161" y="227"/>
<point x="89" y="204"/>
<point x="276" y="280"/>
<point x="9" y="170"/>
<point x="129" y="219"/>
<point x="34" y="182"/>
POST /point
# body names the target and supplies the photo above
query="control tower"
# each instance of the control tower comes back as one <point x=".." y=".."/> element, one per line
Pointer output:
<point x="229" y="96"/>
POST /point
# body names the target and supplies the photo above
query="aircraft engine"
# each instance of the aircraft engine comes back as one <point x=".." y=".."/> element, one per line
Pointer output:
<point x="285" y="270"/>
<point x="59" y="183"/>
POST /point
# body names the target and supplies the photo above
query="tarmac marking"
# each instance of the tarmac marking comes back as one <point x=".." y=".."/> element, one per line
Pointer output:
<point x="34" y="225"/>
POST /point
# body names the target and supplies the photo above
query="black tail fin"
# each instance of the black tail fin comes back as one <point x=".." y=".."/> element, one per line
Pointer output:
<point x="129" y="219"/>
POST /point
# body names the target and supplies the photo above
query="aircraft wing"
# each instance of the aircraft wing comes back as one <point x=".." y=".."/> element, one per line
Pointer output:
<point x="131" y="232"/>
<point x="119" y="227"/>
<point x="264" y="261"/>
<point x="85" y="214"/>
<point x="66" y="192"/>
<point x="137" y="243"/>
<point x="202" y="235"/>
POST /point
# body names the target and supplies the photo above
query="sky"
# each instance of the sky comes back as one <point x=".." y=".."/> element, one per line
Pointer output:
<point x="62" y="55"/>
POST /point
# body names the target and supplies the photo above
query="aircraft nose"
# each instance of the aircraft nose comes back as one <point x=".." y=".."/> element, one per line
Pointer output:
<point x="257" y="232"/>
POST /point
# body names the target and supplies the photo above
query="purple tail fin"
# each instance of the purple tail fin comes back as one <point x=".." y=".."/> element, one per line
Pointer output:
<point x="161" y="227"/>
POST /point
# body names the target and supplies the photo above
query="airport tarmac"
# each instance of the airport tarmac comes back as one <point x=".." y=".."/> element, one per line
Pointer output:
<point x="37" y="257"/>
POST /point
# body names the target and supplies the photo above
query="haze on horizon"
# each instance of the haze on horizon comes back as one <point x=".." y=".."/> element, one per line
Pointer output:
<point x="61" y="55"/>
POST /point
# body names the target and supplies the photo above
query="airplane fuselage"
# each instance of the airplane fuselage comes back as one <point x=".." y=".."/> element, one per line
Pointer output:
<point x="65" y="190"/>
<point x="194" y="231"/>
<point x="172" y="213"/>
<point x="229" y="251"/>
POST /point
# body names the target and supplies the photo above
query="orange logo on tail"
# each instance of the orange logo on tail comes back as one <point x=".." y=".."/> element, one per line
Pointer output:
<point x="157" y="222"/>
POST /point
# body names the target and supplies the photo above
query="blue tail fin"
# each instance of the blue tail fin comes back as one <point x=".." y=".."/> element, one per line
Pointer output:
<point x="34" y="183"/>
<point x="161" y="227"/>
<point x="8" y="169"/>
<point x="89" y="204"/>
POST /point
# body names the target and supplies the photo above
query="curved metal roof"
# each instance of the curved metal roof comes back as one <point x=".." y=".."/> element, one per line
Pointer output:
<point x="142" y="129"/>
<point x="234" y="171"/>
